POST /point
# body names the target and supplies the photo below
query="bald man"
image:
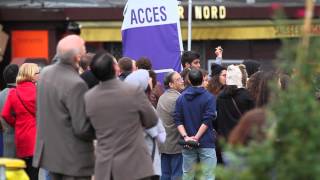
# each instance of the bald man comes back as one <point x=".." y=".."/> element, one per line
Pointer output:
<point x="64" y="135"/>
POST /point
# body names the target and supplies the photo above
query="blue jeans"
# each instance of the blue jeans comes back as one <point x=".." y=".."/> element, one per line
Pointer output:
<point x="171" y="166"/>
<point x="208" y="161"/>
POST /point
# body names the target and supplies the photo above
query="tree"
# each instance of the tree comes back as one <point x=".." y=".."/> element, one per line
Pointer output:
<point x="291" y="150"/>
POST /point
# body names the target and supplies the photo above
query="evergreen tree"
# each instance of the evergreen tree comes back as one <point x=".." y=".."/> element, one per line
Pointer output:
<point x="291" y="150"/>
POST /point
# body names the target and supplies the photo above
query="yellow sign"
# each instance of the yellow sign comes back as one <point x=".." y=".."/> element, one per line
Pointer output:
<point x="294" y="30"/>
<point x="210" y="12"/>
<point x="206" y="12"/>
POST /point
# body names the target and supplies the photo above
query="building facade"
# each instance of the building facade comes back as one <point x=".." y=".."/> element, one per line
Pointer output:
<point x="245" y="29"/>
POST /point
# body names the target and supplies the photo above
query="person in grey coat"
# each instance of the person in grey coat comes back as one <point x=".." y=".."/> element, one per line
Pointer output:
<point x="119" y="112"/>
<point x="9" y="75"/>
<point x="64" y="143"/>
<point x="171" y="151"/>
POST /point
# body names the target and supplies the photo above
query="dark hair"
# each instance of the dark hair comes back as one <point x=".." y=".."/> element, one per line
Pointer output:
<point x="195" y="77"/>
<point x="168" y="79"/>
<point x="85" y="61"/>
<point x="144" y="63"/>
<point x="10" y="73"/>
<point x="102" y="66"/>
<point x="252" y="66"/>
<point x="216" y="69"/>
<point x="204" y="72"/>
<point x="244" y="74"/>
<point x="264" y="90"/>
<point x="153" y="77"/>
<point x="185" y="76"/>
<point x="188" y="57"/>
<point x="214" y="85"/>
<point x="253" y="84"/>
<point x="125" y="64"/>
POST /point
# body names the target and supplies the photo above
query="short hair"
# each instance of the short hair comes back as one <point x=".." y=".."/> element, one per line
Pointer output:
<point x="85" y="61"/>
<point x="125" y="64"/>
<point x="195" y="77"/>
<point x="153" y="76"/>
<point x="144" y="63"/>
<point x="10" y="73"/>
<point x="168" y="79"/>
<point x="204" y="72"/>
<point x="188" y="57"/>
<point x="27" y="71"/>
<point x="102" y="66"/>
<point x="68" y="47"/>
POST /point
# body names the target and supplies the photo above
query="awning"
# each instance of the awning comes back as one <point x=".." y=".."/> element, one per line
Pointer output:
<point x="208" y="30"/>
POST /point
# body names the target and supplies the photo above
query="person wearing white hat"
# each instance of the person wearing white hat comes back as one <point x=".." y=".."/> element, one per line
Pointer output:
<point x="234" y="100"/>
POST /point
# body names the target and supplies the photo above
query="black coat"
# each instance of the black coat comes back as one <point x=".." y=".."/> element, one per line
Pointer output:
<point x="228" y="116"/>
<point x="89" y="78"/>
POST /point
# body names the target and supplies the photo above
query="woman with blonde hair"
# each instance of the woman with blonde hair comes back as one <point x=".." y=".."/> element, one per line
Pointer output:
<point x="20" y="112"/>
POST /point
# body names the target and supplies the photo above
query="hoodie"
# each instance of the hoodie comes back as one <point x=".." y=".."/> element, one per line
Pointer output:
<point x="196" y="106"/>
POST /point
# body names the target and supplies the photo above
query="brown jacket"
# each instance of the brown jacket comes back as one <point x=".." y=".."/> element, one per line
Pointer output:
<point x="119" y="112"/>
<point x="64" y="135"/>
<point x="165" y="109"/>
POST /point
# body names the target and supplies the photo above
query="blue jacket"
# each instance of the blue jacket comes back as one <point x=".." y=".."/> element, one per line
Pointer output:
<point x="194" y="107"/>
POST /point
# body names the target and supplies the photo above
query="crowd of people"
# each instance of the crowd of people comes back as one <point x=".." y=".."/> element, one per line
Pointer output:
<point x="90" y="116"/>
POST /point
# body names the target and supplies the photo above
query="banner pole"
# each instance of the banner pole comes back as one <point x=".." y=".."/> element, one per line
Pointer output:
<point x="189" y="24"/>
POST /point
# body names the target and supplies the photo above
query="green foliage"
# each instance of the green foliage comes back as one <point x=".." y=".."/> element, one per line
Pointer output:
<point x="298" y="119"/>
<point x="292" y="150"/>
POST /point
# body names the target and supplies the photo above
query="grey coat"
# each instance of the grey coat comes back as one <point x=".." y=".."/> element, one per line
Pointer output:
<point x="9" y="148"/>
<point x="165" y="109"/>
<point x="64" y="135"/>
<point x="119" y="112"/>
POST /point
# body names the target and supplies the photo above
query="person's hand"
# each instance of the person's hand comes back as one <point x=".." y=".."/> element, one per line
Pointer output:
<point x="218" y="51"/>
<point x="187" y="138"/>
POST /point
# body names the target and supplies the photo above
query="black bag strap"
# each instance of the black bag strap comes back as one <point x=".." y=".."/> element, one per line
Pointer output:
<point x="24" y="104"/>
<point x="236" y="106"/>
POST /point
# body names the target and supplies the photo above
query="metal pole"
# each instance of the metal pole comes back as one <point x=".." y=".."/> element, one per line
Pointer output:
<point x="189" y="24"/>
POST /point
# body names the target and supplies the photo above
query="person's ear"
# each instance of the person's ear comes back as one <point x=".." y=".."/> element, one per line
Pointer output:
<point x="171" y="84"/>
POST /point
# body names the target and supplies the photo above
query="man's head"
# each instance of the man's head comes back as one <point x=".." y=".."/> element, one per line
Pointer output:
<point x="190" y="59"/>
<point x="104" y="66"/>
<point x="195" y="77"/>
<point x="173" y="80"/>
<point x="70" y="49"/>
<point x="144" y="63"/>
<point x="125" y="64"/>
<point x="85" y="62"/>
<point x="10" y="73"/>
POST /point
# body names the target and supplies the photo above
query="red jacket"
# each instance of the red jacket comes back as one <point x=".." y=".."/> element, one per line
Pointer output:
<point x="23" y="121"/>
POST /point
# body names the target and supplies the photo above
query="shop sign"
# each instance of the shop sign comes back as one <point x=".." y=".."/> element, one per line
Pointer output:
<point x="294" y="30"/>
<point x="205" y="12"/>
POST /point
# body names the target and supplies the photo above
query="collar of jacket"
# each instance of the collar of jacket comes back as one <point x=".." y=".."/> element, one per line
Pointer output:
<point x="173" y="91"/>
<point x="72" y="66"/>
<point x="110" y="82"/>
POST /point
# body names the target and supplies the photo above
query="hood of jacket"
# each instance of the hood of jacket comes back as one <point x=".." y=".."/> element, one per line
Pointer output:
<point x="193" y="92"/>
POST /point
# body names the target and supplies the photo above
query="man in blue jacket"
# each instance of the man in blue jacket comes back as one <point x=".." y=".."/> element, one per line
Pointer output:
<point x="195" y="110"/>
